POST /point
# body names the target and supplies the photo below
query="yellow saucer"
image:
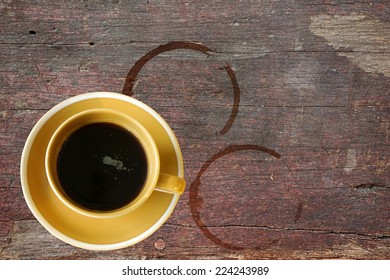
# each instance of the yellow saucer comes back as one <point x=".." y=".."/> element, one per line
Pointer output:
<point x="83" y="231"/>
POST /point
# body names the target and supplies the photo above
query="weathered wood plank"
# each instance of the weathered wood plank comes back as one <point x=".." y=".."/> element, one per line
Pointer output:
<point x="314" y="87"/>
<point x="178" y="241"/>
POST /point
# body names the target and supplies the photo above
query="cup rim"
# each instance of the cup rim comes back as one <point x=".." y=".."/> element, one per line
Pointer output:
<point x="30" y="141"/>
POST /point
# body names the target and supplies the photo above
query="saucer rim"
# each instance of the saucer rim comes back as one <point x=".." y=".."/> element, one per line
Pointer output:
<point x="25" y="156"/>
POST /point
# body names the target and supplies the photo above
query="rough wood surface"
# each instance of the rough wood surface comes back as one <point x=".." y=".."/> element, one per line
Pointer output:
<point x="303" y="170"/>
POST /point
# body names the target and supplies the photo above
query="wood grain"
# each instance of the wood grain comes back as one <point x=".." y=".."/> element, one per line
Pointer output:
<point x="313" y="87"/>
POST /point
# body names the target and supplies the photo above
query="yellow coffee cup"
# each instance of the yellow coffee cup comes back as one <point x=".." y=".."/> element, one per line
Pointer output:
<point x="106" y="117"/>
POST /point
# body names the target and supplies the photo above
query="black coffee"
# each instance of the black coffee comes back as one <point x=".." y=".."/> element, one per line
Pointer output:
<point x="102" y="166"/>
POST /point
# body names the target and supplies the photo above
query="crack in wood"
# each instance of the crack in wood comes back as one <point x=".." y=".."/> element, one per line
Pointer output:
<point x="308" y="230"/>
<point x="370" y="186"/>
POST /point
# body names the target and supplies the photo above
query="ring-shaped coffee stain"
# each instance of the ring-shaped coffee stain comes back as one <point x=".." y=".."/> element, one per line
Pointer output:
<point x="134" y="71"/>
<point x="196" y="201"/>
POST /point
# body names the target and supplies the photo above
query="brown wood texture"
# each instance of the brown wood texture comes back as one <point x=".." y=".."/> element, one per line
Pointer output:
<point x="282" y="110"/>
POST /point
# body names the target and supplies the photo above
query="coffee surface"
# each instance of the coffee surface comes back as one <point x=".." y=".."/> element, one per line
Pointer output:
<point x="102" y="166"/>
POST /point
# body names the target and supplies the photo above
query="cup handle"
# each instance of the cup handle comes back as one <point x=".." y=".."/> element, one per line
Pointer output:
<point x="170" y="184"/>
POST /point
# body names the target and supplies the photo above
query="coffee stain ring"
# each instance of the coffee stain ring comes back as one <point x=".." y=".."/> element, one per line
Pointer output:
<point x="176" y="45"/>
<point x="195" y="201"/>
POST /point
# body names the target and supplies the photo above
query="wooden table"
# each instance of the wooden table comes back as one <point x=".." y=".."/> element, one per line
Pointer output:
<point x="282" y="110"/>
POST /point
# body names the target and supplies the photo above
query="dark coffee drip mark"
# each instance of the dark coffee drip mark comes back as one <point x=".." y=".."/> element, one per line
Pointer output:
<point x="195" y="201"/>
<point x="176" y="45"/>
<point x="299" y="212"/>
